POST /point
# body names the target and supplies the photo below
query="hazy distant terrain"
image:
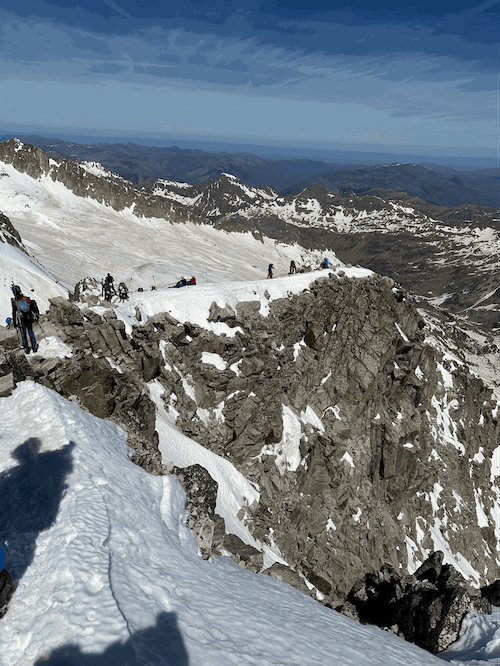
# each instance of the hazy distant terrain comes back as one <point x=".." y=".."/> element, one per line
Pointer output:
<point x="433" y="183"/>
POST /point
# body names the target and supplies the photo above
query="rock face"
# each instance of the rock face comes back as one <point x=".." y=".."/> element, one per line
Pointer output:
<point x="359" y="435"/>
<point x="426" y="608"/>
<point x="8" y="234"/>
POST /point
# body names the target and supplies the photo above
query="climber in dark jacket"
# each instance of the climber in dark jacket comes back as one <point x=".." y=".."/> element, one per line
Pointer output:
<point x="24" y="313"/>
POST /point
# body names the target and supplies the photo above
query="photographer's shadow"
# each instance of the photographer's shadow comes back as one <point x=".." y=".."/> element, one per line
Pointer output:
<point x="30" y="494"/>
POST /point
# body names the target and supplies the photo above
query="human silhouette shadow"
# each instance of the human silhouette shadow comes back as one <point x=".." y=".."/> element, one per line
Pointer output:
<point x="161" y="645"/>
<point x="30" y="494"/>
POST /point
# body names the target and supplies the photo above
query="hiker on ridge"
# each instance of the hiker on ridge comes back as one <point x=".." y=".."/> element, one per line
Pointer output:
<point x="270" y="272"/>
<point x="24" y="312"/>
<point x="108" y="288"/>
<point x="122" y="292"/>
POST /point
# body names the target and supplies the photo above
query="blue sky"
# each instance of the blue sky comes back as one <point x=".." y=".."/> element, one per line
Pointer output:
<point x="418" y="78"/>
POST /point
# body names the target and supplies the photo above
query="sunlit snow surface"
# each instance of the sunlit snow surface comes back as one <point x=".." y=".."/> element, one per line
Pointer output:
<point x="76" y="237"/>
<point x="108" y="573"/>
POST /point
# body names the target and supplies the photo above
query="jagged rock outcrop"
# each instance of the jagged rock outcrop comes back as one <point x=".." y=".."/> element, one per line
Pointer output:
<point x="201" y="498"/>
<point x="358" y="434"/>
<point x="426" y="608"/>
<point x="8" y="234"/>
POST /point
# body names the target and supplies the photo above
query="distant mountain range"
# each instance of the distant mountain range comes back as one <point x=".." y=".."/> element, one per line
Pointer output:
<point x="436" y="184"/>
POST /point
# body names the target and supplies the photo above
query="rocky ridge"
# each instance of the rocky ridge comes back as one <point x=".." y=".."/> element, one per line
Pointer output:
<point x="445" y="189"/>
<point x="137" y="163"/>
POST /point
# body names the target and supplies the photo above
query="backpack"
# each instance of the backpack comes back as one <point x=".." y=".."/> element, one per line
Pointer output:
<point x="34" y="308"/>
<point x="23" y="305"/>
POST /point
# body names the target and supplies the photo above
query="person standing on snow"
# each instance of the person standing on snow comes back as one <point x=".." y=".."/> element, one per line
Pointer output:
<point x="122" y="292"/>
<point x="270" y="272"/>
<point x="108" y="288"/>
<point x="24" y="312"/>
<point x="293" y="268"/>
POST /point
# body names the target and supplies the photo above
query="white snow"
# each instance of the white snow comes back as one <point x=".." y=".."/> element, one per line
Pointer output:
<point x="287" y="451"/>
<point x="53" y="347"/>
<point x="347" y="457"/>
<point x="446" y="375"/>
<point x="310" y="416"/>
<point x="35" y="282"/>
<point x="76" y="237"/>
<point x="213" y="359"/>
<point x="403" y="335"/>
<point x="109" y="573"/>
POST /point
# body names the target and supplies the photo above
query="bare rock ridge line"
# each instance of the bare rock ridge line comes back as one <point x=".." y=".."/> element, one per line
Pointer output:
<point x="360" y="436"/>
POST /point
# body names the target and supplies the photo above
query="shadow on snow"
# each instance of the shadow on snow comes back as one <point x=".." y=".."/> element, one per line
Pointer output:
<point x="161" y="645"/>
<point x="30" y="494"/>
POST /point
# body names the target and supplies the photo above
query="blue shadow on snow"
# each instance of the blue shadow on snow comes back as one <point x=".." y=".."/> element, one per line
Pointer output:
<point x="161" y="645"/>
<point x="30" y="494"/>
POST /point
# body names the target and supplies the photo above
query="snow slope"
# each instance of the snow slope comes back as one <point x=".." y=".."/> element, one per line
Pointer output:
<point x="76" y="237"/>
<point x="117" y="574"/>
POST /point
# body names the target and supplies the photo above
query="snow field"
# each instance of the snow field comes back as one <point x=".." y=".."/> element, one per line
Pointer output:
<point x="35" y="282"/>
<point x="118" y="573"/>
<point x="78" y="237"/>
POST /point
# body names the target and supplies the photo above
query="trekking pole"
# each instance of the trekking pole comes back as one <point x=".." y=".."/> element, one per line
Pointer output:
<point x="18" y="333"/>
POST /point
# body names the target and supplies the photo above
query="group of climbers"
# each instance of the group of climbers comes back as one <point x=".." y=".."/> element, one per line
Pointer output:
<point x="25" y="310"/>
<point x="293" y="268"/>
<point x="108" y="289"/>
<point x="185" y="283"/>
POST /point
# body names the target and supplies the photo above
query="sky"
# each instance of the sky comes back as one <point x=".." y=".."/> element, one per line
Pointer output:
<point x="353" y="75"/>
